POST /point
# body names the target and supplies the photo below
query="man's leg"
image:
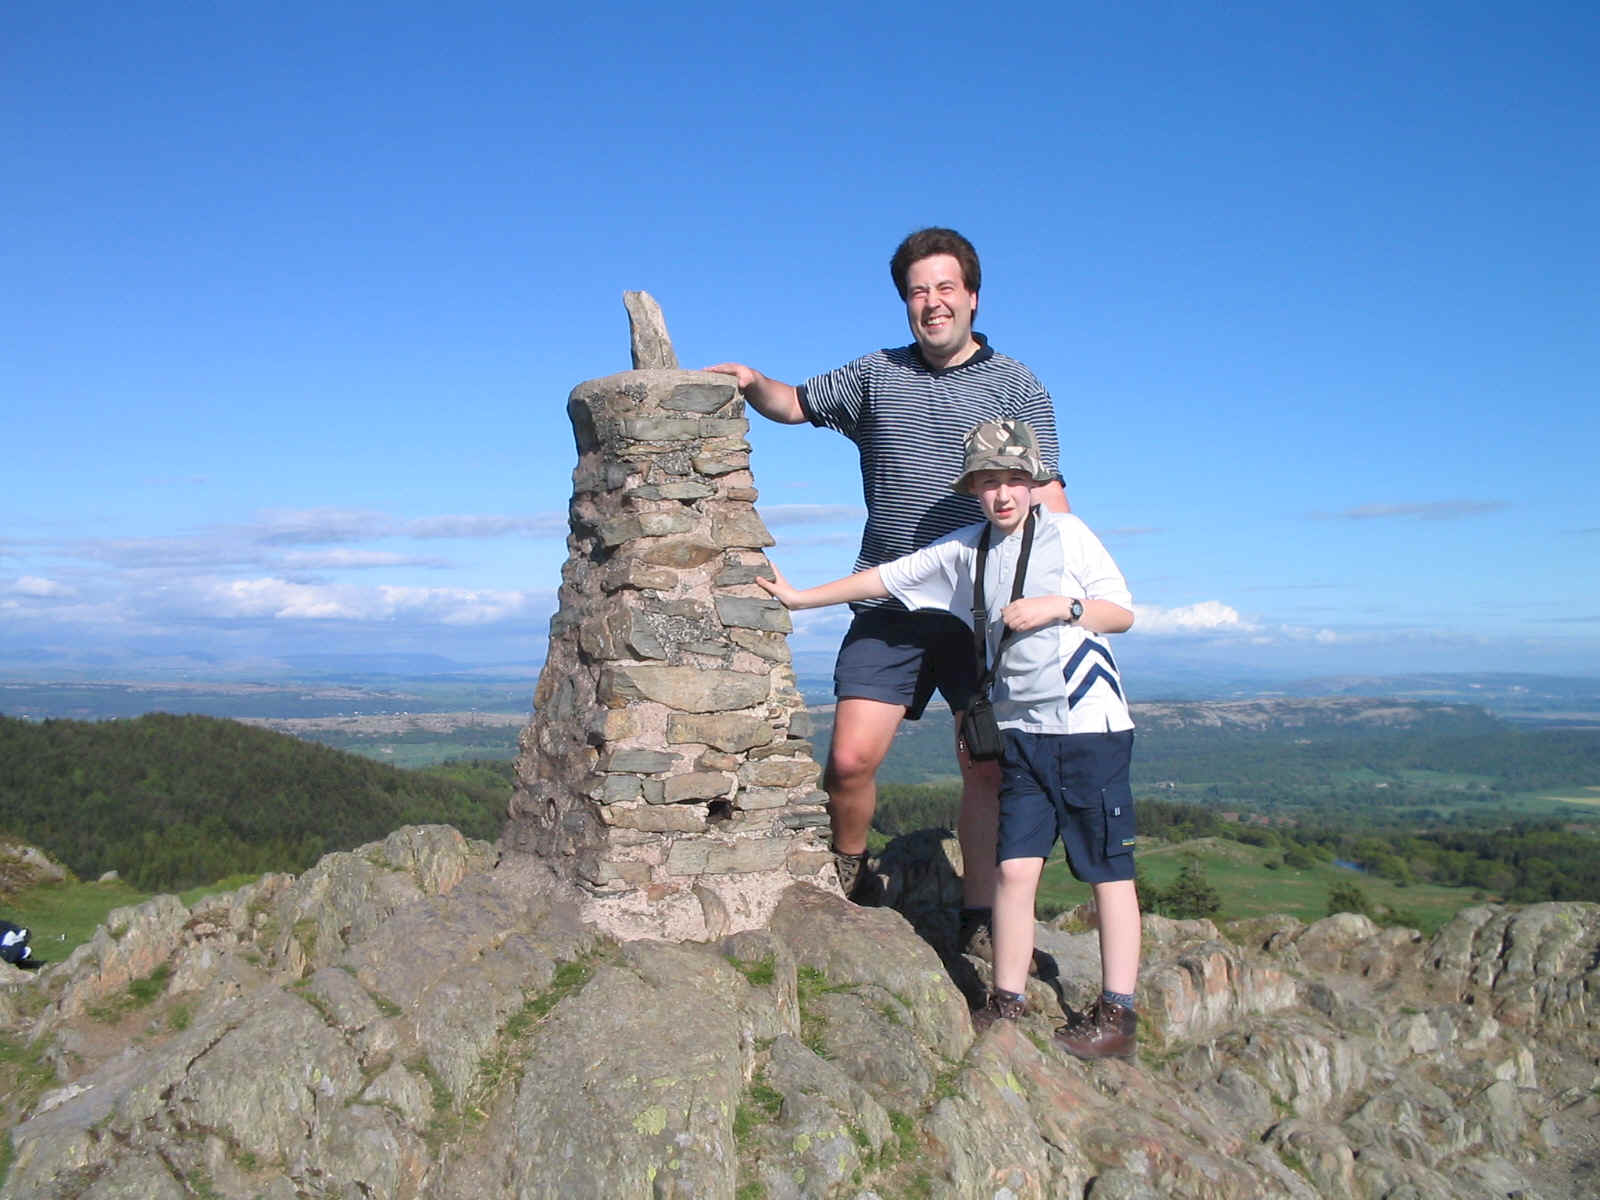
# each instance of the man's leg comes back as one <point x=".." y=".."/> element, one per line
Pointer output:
<point x="977" y="826"/>
<point x="862" y="732"/>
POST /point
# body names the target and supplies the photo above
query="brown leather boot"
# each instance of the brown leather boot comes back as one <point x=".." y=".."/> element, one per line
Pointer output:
<point x="1106" y="1031"/>
<point x="1001" y="1006"/>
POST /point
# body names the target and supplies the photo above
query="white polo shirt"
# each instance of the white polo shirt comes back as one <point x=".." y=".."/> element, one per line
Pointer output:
<point x="1057" y="679"/>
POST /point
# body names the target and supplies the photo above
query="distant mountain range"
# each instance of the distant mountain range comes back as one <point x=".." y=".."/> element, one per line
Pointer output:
<point x="347" y="685"/>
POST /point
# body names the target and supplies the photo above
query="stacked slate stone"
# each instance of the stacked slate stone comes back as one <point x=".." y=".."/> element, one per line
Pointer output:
<point x="665" y="770"/>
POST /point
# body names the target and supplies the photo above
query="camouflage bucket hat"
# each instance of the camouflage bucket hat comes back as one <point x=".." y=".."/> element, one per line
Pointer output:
<point x="1001" y="446"/>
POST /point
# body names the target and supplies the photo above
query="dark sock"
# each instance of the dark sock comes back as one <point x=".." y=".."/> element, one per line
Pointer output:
<point x="1014" y="997"/>
<point x="1122" y="998"/>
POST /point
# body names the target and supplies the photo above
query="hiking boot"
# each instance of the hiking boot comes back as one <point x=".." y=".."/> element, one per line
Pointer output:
<point x="1106" y="1031"/>
<point x="859" y="883"/>
<point x="1000" y="1006"/>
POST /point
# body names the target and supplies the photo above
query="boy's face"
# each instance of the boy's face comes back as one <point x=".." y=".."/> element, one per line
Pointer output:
<point x="1005" y="497"/>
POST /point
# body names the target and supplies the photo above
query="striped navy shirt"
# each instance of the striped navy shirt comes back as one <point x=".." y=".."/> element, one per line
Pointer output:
<point x="909" y="422"/>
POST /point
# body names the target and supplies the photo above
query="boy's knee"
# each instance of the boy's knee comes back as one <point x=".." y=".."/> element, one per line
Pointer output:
<point x="1017" y="871"/>
<point x="1115" y="890"/>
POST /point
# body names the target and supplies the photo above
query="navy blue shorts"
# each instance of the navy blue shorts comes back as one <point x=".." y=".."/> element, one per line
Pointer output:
<point x="1073" y="786"/>
<point x="899" y="657"/>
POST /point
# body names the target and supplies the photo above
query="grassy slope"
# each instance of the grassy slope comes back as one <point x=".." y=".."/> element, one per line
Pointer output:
<point x="60" y="917"/>
<point x="1249" y="888"/>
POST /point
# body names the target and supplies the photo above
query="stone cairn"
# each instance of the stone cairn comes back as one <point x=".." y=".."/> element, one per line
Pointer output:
<point x="665" y="770"/>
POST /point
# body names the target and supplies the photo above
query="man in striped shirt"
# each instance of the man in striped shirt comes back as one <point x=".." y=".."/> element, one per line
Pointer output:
<point x="908" y="410"/>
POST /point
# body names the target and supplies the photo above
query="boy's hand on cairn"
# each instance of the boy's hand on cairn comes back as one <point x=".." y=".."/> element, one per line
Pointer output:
<point x="778" y="587"/>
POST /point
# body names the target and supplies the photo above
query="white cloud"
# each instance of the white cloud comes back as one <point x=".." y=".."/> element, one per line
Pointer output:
<point x="320" y="526"/>
<point x="480" y="526"/>
<point x="266" y="543"/>
<point x="1432" y="510"/>
<point x="822" y="623"/>
<point x="212" y="550"/>
<point x="282" y="599"/>
<point x="316" y="526"/>
<point x="455" y="606"/>
<point x="43" y="589"/>
<point x="311" y="560"/>
<point x="1208" y="616"/>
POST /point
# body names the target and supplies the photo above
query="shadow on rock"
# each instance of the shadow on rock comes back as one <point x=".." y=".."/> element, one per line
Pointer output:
<point x="921" y="880"/>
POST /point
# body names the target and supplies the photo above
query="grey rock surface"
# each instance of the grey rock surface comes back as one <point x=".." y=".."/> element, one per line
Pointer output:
<point x="330" y="1050"/>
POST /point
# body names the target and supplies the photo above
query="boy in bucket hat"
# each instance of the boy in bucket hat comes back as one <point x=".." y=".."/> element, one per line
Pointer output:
<point x="1058" y="701"/>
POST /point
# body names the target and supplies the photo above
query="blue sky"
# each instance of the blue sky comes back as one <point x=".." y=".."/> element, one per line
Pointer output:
<point x="294" y="295"/>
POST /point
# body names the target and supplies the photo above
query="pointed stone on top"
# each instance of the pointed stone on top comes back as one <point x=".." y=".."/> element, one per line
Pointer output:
<point x="652" y="346"/>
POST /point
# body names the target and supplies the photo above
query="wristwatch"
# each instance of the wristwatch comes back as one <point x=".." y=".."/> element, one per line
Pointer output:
<point x="1077" y="611"/>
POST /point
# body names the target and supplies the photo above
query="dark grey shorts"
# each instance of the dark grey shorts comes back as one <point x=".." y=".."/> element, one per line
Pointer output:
<point x="1073" y="786"/>
<point x="899" y="657"/>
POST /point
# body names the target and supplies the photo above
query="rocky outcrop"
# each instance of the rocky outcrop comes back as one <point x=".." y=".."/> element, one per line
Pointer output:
<point x="418" y="1019"/>
<point x="24" y="866"/>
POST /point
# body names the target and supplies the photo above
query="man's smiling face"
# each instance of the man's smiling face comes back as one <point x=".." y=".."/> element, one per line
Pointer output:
<point x="939" y="309"/>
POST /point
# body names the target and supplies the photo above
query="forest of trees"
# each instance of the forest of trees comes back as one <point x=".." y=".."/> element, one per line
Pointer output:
<point x="170" y="802"/>
<point x="1475" y="760"/>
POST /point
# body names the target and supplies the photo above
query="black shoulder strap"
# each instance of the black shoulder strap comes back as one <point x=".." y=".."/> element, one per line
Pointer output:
<point x="980" y="609"/>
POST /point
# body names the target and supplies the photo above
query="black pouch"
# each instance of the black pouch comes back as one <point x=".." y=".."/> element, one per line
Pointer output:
<point x="980" y="731"/>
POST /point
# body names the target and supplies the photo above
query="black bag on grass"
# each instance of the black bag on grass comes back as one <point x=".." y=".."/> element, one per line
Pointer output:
<point x="14" y="944"/>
